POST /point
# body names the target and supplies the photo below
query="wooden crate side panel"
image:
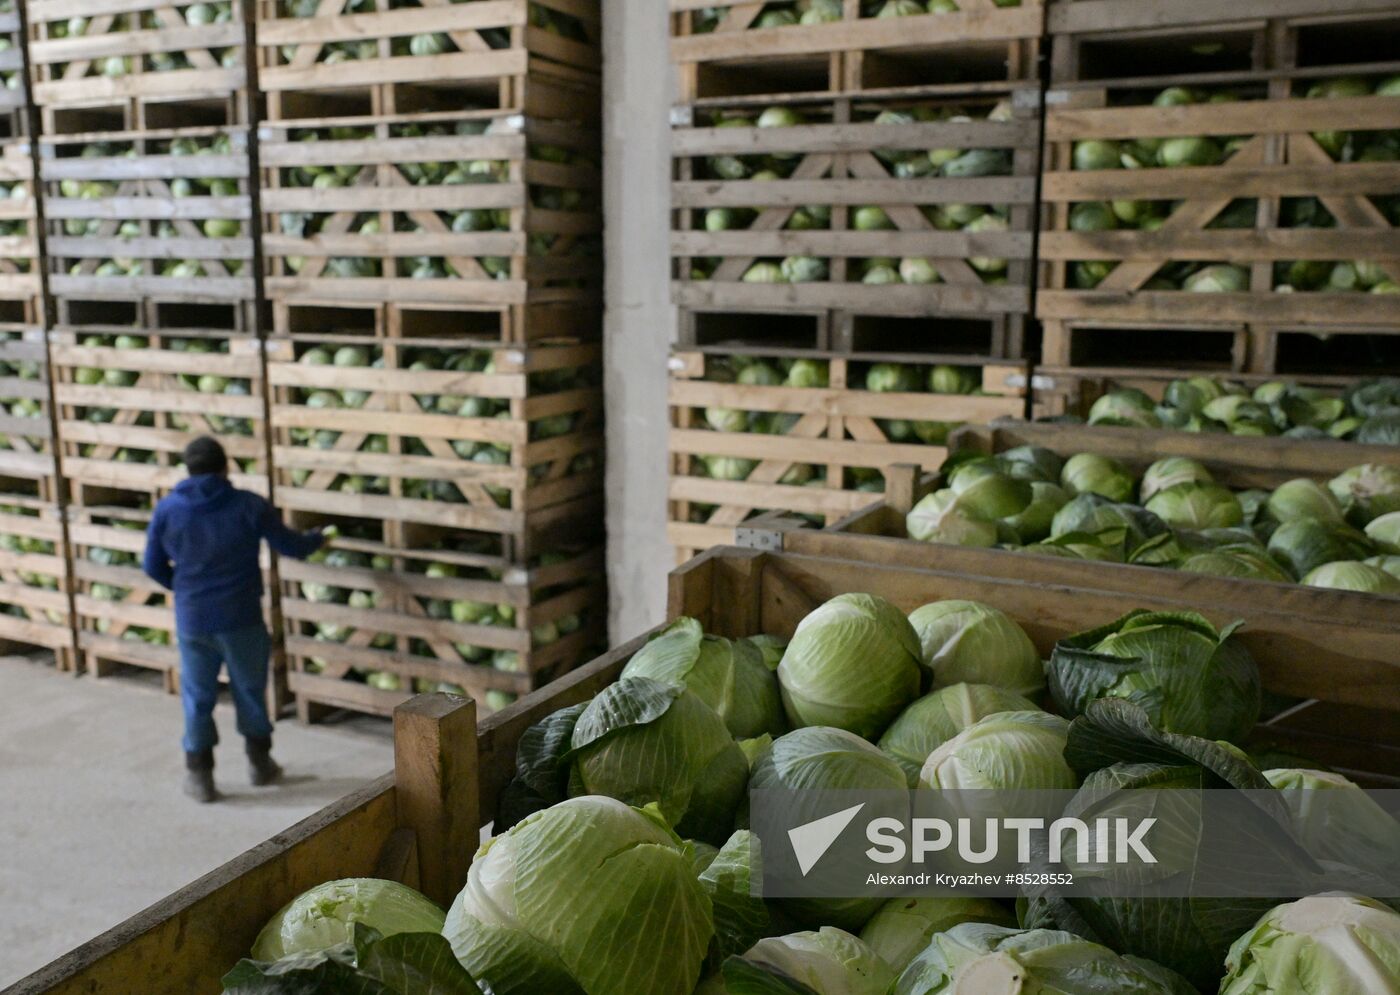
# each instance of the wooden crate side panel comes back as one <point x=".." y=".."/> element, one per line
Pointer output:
<point x="499" y="47"/>
<point x="19" y="227"/>
<point x="1279" y="157"/>
<point x="132" y="50"/>
<point x="34" y="578"/>
<point x="837" y="162"/>
<point x="405" y="220"/>
<point x="714" y="55"/>
<point x="164" y="222"/>
<point x="548" y="442"/>
<point x="125" y="415"/>
<point x="1346" y="664"/>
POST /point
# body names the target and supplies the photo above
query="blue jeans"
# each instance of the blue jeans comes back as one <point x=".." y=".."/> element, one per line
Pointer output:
<point x="245" y="651"/>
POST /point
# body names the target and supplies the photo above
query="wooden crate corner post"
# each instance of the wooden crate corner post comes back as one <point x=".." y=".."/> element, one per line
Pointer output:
<point x="436" y="788"/>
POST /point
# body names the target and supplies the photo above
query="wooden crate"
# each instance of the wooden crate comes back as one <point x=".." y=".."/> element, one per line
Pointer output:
<point x="27" y="465"/>
<point x="1073" y="391"/>
<point x="388" y="233"/>
<point x="126" y="431"/>
<point x="34" y="592"/>
<point x="393" y="620"/>
<point x="1129" y="38"/>
<point x="149" y="216"/>
<point x="718" y="52"/>
<point x="1278" y="162"/>
<point x="840" y="436"/>
<point x="420" y="823"/>
<point x="394" y="458"/>
<point x="877" y="533"/>
<point x="19" y="247"/>
<point x="174" y="72"/>
<point x="835" y="160"/>
<point x="350" y="57"/>
<point x="14" y="100"/>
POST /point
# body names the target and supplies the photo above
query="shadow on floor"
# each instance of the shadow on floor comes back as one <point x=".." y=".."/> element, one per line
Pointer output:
<point x="294" y="789"/>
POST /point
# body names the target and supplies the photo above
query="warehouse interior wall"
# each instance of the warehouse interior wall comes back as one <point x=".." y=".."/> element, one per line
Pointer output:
<point x="638" y="88"/>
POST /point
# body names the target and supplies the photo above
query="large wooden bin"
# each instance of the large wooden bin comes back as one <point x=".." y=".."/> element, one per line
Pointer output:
<point x="420" y="824"/>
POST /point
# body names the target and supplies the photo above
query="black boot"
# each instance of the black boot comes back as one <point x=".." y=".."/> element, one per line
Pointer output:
<point x="199" y="776"/>
<point x="262" y="769"/>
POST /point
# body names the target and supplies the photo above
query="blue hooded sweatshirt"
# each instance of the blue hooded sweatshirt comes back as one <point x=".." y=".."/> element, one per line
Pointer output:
<point x="203" y="544"/>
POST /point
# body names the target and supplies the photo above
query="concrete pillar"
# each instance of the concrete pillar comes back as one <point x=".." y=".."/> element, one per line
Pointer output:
<point x="637" y="94"/>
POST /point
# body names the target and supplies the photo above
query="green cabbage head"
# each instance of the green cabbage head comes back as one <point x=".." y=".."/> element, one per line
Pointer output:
<point x="936" y="718"/>
<point x="823" y="759"/>
<point x="1326" y="943"/>
<point x="987" y="959"/>
<point x="325" y="916"/>
<point x="1188" y="676"/>
<point x="828" y="961"/>
<point x="969" y="642"/>
<point x="903" y="927"/>
<point x="590" y="895"/>
<point x="729" y="676"/>
<point x="854" y="663"/>
<point x="646" y="742"/>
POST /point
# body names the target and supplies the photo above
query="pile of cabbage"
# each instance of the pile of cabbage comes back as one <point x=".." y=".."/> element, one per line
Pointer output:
<point x="111" y="374"/>
<point x="194" y="15"/>
<point x="786" y="13"/>
<point x="901" y="378"/>
<point x="306" y="224"/>
<point x="26" y="545"/>
<point x="23" y="407"/>
<point x="106" y="556"/>
<point x="471" y="409"/>
<point x="1225" y="276"/>
<point x="902" y="164"/>
<point x="463" y="611"/>
<point x="622" y="861"/>
<point x="1343" y="534"/>
<point x="423" y="44"/>
<point x="131" y="228"/>
<point x="1368" y="412"/>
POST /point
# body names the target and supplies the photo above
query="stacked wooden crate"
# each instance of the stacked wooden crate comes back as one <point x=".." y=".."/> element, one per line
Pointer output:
<point x="854" y="195"/>
<point x="1277" y="207"/>
<point x="146" y="185"/>
<point x="431" y="184"/>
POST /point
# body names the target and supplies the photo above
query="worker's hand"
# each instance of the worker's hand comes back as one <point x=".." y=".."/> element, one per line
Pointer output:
<point x="326" y="533"/>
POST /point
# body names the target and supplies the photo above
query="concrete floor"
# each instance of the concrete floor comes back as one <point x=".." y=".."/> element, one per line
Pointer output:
<point x="93" y="827"/>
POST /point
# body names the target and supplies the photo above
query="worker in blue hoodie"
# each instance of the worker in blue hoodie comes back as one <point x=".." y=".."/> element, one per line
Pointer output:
<point x="203" y="544"/>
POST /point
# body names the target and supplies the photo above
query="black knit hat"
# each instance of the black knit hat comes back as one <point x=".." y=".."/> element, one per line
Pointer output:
<point x="205" y="455"/>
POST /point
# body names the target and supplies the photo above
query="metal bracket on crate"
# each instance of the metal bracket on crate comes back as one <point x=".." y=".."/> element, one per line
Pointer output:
<point x="1053" y="97"/>
<point x="1020" y="381"/>
<point x="1026" y="100"/>
<point x="766" y="531"/>
<point x="767" y="540"/>
<point x="682" y="117"/>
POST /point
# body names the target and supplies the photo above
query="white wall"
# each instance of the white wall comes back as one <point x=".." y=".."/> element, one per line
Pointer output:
<point x="637" y="95"/>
